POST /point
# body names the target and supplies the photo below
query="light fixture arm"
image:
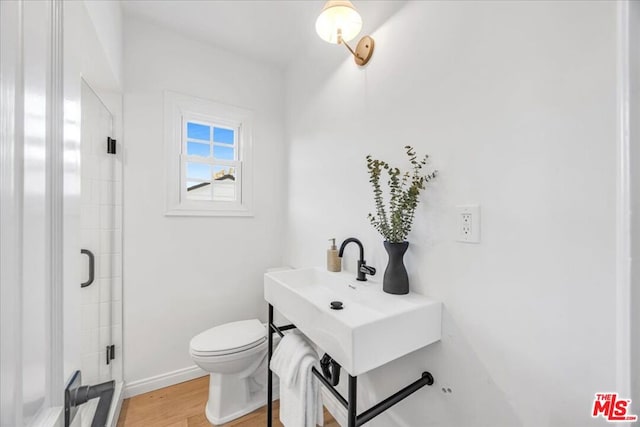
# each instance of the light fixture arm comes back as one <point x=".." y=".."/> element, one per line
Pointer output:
<point x="363" y="51"/>
<point x="340" y="40"/>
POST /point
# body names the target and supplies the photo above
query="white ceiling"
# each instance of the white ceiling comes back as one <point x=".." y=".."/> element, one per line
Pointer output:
<point x="265" y="30"/>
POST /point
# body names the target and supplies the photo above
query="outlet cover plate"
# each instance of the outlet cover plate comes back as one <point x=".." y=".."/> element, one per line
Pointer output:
<point x="468" y="223"/>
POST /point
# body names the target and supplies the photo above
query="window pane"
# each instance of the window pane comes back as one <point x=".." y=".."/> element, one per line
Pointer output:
<point x="199" y="191"/>
<point x="223" y="153"/>
<point x="198" y="172"/>
<point x="197" y="149"/>
<point x="224" y="173"/>
<point x="198" y="131"/>
<point x="224" y="192"/>
<point x="224" y="184"/>
<point x="223" y="135"/>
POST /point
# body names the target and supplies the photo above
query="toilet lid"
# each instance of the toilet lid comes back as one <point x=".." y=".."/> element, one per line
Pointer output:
<point x="229" y="338"/>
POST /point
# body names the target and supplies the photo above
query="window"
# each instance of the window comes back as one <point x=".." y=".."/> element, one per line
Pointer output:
<point x="208" y="148"/>
<point x="211" y="170"/>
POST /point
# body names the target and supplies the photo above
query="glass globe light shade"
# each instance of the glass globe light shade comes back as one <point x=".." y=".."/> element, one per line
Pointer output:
<point x="338" y="17"/>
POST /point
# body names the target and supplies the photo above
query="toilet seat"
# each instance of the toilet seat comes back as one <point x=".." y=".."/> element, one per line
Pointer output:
<point x="230" y="338"/>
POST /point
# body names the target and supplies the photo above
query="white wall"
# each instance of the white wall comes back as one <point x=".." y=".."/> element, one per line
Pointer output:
<point x="183" y="275"/>
<point x="106" y="17"/>
<point x="515" y="103"/>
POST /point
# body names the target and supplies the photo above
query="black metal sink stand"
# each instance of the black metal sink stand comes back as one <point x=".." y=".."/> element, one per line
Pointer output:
<point x="353" y="419"/>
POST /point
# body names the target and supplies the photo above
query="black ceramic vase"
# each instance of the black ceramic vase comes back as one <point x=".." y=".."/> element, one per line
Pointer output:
<point x="396" y="280"/>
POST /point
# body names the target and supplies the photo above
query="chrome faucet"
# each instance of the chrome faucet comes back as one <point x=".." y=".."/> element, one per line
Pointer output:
<point x="363" y="268"/>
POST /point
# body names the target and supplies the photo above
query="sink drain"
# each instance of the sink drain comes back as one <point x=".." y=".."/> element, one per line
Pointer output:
<point x="336" y="305"/>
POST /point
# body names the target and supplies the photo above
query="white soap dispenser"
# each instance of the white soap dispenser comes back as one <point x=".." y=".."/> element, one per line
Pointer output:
<point x="334" y="262"/>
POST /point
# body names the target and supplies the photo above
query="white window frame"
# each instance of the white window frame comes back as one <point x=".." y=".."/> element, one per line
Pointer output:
<point x="180" y="109"/>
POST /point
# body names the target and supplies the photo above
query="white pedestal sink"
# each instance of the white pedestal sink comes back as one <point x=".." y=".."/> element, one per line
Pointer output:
<point x="372" y="329"/>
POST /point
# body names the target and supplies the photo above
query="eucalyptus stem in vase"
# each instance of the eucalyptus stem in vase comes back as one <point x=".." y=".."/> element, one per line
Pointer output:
<point x="394" y="217"/>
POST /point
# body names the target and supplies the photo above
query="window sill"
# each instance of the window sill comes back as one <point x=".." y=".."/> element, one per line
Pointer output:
<point x="240" y="212"/>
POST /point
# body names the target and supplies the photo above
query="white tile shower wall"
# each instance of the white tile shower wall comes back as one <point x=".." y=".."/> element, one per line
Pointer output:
<point x="515" y="103"/>
<point x="101" y="232"/>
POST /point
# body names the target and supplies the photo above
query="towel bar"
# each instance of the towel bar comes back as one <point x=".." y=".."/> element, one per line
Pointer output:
<point x="353" y="419"/>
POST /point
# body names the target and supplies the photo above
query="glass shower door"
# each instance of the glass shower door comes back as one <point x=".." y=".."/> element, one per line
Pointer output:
<point x="101" y="240"/>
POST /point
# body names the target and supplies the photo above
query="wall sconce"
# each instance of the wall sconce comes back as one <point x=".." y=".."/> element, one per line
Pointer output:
<point x="339" y="22"/>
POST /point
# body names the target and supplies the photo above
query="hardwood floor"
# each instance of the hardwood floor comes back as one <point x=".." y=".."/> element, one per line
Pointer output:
<point x="182" y="405"/>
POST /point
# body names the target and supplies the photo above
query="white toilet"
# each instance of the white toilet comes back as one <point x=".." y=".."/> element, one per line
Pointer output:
<point x="235" y="355"/>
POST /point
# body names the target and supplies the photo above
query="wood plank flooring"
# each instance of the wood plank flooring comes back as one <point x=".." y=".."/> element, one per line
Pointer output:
<point x="182" y="405"/>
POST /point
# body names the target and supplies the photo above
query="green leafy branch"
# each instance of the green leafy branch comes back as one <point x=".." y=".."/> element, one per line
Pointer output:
<point x="404" y="191"/>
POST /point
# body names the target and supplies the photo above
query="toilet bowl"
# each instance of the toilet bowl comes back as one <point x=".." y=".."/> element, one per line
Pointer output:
<point x="235" y="355"/>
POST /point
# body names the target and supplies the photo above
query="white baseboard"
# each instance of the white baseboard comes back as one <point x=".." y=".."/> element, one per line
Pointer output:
<point x="145" y="385"/>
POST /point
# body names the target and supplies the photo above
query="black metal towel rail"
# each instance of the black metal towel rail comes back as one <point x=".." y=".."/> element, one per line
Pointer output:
<point x="353" y="419"/>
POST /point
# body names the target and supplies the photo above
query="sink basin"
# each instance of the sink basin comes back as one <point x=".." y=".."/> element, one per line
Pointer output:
<point x="372" y="329"/>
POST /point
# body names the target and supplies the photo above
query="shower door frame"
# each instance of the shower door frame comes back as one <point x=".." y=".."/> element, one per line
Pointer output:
<point x="43" y="73"/>
<point x="31" y="94"/>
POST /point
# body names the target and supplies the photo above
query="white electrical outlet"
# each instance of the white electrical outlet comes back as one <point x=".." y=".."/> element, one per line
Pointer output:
<point x="468" y="223"/>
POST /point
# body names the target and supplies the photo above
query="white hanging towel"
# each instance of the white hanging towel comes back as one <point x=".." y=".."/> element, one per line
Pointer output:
<point x="300" y="399"/>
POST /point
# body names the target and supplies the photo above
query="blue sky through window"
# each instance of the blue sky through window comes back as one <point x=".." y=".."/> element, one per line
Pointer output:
<point x="197" y="131"/>
<point x="223" y="153"/>
<point x="223" y="135"/>
<point x="197" y="149"/>
<point x="198" y="171"/>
